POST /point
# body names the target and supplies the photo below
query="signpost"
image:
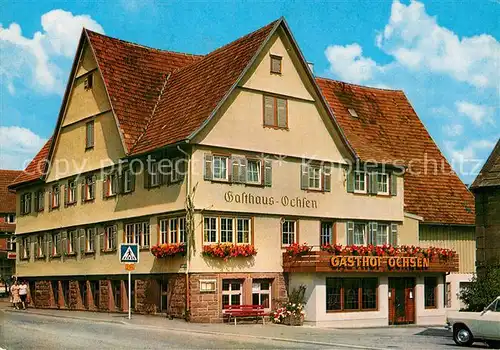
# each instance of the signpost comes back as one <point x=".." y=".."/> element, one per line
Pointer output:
<point x="129" y="255"/>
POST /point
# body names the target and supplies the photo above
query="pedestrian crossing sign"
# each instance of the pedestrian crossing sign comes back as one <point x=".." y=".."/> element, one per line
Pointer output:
<point x="129" y="253"/>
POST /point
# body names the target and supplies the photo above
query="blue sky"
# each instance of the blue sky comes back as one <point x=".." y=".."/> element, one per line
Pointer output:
<point x="445" y="55"/>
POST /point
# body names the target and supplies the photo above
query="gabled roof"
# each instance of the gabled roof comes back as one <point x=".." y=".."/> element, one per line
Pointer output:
<point x="7" y="199"/>
<point x="193" y="93"/>
<point x="490" y="173"/>
<point x="134" y="76"/>
<point x="36" y="168"/>
<point x="389" y="131"/>
<point x="160" y="98"/>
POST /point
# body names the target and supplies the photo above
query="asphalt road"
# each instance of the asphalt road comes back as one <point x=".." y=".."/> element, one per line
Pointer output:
<point x="22" y="330"/>
<point x="26" y="331"/>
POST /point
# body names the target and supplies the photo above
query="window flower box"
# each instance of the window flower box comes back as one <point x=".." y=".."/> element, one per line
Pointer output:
<point x="227" y="251"/>
<point x="295" y="250"/>
<point x="389" y="250"/>
<point x="166" y="250"/>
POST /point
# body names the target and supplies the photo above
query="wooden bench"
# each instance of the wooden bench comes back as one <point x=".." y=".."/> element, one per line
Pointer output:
<point x="244" y="311"/>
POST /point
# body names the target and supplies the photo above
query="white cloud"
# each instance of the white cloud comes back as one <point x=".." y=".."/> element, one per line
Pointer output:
<point x="34" y="58"/>
<point x="469" y="152"/>
<point x="453" y="130"/>
<point x="18" y="146"/>
<point x="417" y="41"/>
<point x="348" y="63"/>
<point x="478" y="114"/>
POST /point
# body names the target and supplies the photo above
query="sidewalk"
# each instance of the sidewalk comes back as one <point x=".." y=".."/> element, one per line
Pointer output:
<point x="304" y="334"/>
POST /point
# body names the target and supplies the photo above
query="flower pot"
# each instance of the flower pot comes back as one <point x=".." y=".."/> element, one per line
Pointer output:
<point x="294" y="320"/>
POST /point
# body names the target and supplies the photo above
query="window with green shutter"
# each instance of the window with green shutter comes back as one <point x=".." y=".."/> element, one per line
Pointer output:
<point x="275" y="112"/>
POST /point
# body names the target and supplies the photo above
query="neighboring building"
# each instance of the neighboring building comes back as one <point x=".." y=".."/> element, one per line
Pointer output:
<point x="486" y="188"/>
<point x="261" y="153"/>
<point x="7" y="225"/>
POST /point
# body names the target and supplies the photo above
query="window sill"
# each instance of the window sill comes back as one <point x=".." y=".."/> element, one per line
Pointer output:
<point x="88" y="200"/>
<point x="275" y="127"/>
<point x="55" y="256"/>
<point x="70" y="203"/>
<point x="40" y="258"/>
<point x="127" y="193"/>
<point x="41" y="210"/>
<point x="90" y="148"/>
<point x="254" y="184"/>
<point x="24" y="259"/>
<point x="70" y="254"/>
<point x="89" y="252"/>
<point x="276" y="73"/>
<point x="109" y="196"/>
<point x="347" y="311"/>
<point x="315" y="190"/>
<point x="108" y="251"/>
<point x="220" y="181"/>
<point x="431" y="307"/>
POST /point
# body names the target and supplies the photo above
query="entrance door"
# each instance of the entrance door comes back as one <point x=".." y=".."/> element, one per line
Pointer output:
<point x="401" y="300"/>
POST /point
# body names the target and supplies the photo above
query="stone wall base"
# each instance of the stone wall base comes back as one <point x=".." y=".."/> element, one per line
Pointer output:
<point x="150" y="293"/>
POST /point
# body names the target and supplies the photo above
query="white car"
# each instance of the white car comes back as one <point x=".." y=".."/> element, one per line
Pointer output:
<point x="469" y="327"/>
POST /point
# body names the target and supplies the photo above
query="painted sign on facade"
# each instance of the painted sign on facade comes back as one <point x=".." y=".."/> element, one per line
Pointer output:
<point x="376" y="262"/>
<point x="285" y="201"/>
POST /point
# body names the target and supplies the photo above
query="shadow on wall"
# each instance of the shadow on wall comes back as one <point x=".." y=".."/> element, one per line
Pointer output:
<point x="230" y="265"/>
<point x="169" y="264"/>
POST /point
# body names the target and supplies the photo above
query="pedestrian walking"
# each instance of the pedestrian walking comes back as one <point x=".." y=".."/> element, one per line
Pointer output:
<point x="23" y="293"/>
<point x="14" y="291"/>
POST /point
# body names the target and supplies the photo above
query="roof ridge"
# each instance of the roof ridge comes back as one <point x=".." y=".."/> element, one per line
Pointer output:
<point x="358" y="85"/>
<point x="143" y="46"/>
<point x="180" y="69"/>
<point x="152" y="112"/>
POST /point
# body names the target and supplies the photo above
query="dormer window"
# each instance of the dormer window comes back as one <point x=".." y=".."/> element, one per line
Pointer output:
<point x="353" y="112"/>
<point x="276" y="64"/>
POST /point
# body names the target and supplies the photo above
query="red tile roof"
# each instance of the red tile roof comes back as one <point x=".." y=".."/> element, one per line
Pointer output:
<point x="388" y="130"/>
<point x="134" y="76"/>
<point x="7" y="199"/>
<point x="192" y="93"/>
<point x="35" y="169"/>
<point x="162" y="97"/>
<point x="490" y="173"/>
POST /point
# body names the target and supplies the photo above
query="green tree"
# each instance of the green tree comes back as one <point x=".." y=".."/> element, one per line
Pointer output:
<point x="482" y="290"/>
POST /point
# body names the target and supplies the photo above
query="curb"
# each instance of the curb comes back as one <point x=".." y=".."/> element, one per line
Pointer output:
<point x="62" y="316"/>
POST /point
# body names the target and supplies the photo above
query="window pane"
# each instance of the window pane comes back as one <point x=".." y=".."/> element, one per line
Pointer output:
<point x="226" y="230"/>
<point x="369" y="293"/>
<point x="235" y="299"/>
<point x="382" y="234"/>
<point x="255" y="299"/>
<point x="253" y="171"/>
<point x="359" y="234"/>
<point x="351" y="294"/>
<point x="220" y="168"/>
<point x="430" y="284"/>
<point x="333" y="294"/>
<point x="225" y="300"/>
<point x="326" y="233"/>
<point x="225" y="285"/>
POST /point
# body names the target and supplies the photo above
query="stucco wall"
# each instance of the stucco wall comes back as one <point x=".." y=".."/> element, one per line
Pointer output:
<point x="286" y="183"/>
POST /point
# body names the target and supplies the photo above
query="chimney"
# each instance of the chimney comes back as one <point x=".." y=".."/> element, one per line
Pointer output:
<point x="311" y="67"/>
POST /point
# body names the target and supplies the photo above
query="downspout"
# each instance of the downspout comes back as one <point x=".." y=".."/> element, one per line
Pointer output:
<point x="188" y="248"/>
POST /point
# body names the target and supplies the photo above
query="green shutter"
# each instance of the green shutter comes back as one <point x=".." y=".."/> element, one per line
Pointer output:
<point x="350" y="181"/>
<point x="372" y="233"/>
<point x="304" y="176"/>
<point x="268" y="173"/>
<point x="350" y="232"/>
<point x="394" y="185"/>
<point x="393" y="239"/>
<point x="327" y="178"/>
<point x="269" y="111"/>
<point x="243" y="170"/>
<point x="207" y="173"/>
<point x="81" y="240"/>
<point x="113" y="237"/>
<point x="50" y="249"/>
<point x="281" y="105"/>
<point x="372" y="183"/>
<point x="235" y="165"/>
<point x="147" y="183"/>
<point x="102" y="235"/>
